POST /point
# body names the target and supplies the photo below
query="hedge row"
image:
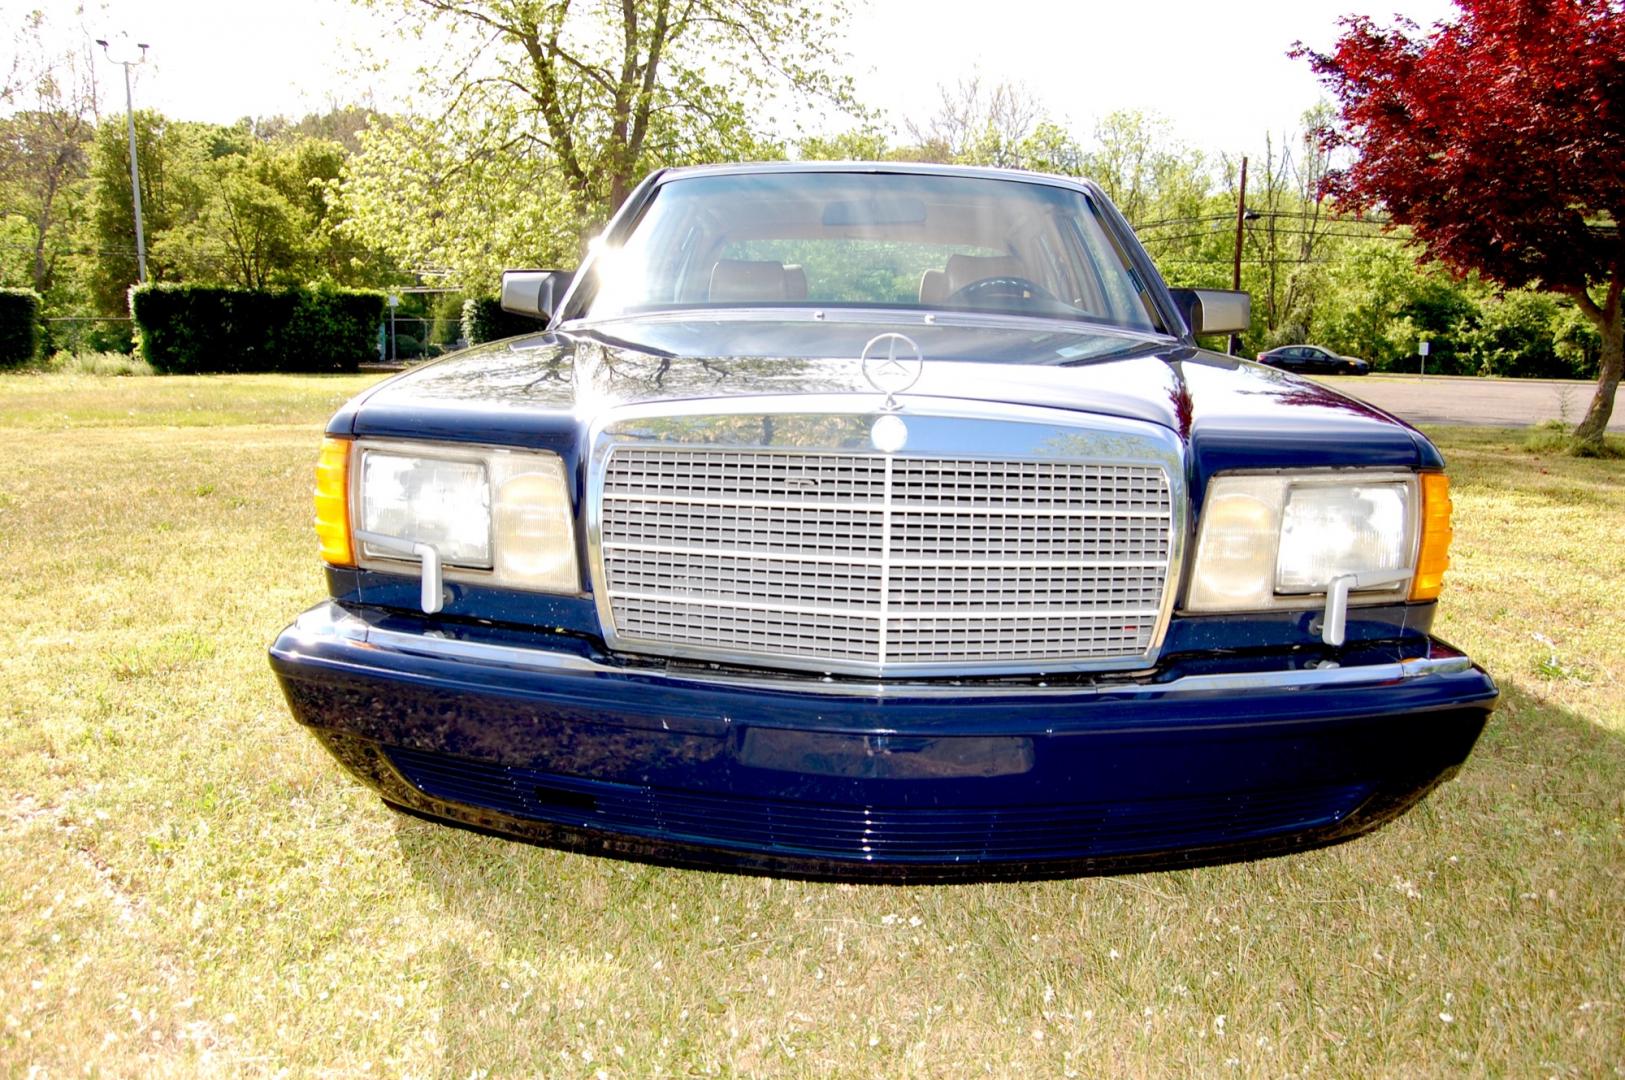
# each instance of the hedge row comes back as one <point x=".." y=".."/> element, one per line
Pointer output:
<point x="208" y="328"/>
<point x="19" y="326"/>
<point x="484" y="320"/>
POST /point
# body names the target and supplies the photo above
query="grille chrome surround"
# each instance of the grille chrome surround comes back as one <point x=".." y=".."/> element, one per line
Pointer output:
<point x="1001" y="540"/>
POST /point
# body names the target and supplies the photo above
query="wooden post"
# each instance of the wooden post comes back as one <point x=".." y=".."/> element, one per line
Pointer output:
<point x="1241" y="217"/>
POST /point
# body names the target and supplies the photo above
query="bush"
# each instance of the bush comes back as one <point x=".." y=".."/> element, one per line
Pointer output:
<point x="1557" y="437"/>
<point x="19" y="327"/>
<point x="208" y="328"/>
<point x="407" y="347"/>
<point x="76" y="333"/>
<point x="98" y="363"/>
<point x="484" y="320"/>
<point x="446" y="315"/>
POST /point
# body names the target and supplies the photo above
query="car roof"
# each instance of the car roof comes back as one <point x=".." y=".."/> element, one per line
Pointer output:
<point x="914" y="168"/>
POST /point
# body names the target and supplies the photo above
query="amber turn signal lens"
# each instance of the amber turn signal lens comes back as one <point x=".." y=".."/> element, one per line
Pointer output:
<point x="1433" y="554"/>
<point x="333" y="502"/>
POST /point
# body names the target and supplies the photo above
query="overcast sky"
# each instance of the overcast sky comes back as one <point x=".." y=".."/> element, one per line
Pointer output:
<point x="1217" y="71"/>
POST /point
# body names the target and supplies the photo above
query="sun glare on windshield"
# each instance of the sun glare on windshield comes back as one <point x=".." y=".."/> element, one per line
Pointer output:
<point x="831" y="239"/>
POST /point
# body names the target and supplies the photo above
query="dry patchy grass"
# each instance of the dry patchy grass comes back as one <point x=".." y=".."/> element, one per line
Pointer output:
<point x="189" y="885"/>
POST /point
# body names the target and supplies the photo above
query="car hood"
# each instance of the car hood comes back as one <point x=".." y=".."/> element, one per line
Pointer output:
<point x="521" y="388"/>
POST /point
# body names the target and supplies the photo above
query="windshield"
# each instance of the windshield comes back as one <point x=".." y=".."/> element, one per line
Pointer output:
<point x="828" y="239"/>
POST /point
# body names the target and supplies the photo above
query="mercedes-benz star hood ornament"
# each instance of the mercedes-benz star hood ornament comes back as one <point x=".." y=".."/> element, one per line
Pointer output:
<point x="892" y="363"/>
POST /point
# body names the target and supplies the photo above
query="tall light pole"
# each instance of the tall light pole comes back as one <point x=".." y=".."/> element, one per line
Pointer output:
<point x="135" y="172"/>
<point x="1240" y="220"/>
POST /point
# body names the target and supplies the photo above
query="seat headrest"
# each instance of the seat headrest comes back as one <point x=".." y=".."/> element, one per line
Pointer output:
<point x="965" y="269"/>
<point x="933" y="286"/>
<point x="795" y="282"/>
<point x="747" y="279"/>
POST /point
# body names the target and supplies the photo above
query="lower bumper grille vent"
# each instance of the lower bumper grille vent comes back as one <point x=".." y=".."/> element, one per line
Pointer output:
<point x="891" y="833"/>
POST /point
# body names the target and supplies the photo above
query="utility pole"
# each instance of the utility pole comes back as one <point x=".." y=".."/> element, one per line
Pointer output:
<point x="1241" y="218"/>
<point x="394" y="302"/>
<point x="135" y="171"/>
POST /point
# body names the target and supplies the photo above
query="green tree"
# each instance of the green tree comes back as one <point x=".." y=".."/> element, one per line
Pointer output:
<point x="1145" y="170"/>
<point x="1289" y="234"/>
<point x="247" y="232"/>
<point x="271" y="215"/>
<point x="224" y="205"/>
<point x="431" y="197"/>
<point x="341" y="124"/>
<point x="1379" y="303"/>
<point x="44" y="145"/>
<point x="1513" y="336"/>
<point x="173" y="156"/>
<point x="550" y="111"/>
<point x="858" y="144"/>
<point x="1166" y="191"/>
<point x="979" y="124"/>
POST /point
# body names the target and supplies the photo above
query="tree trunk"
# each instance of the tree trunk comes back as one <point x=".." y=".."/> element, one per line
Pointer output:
<point x="1589" y="434"/>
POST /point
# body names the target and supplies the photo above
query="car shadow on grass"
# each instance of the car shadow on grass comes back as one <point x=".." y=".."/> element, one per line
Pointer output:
<point x="1513" y="855"/>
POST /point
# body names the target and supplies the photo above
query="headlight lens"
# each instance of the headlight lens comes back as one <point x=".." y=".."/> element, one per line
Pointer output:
<point x="536" y="543"/>
<point x="428" y="500"/>
<point x="1238" y="542"/>
<point x="1327" y="532"/>
<point x="1271" y="541"/>
<point x="503" y="512"/>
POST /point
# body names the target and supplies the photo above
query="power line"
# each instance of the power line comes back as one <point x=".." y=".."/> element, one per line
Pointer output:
<point x="1388" y="237"/>
<point x="1262" y="214"/>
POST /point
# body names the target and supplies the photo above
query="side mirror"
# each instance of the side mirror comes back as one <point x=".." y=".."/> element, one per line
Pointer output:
<point x="1214" y="311"/>
<point x="536" y="293"/>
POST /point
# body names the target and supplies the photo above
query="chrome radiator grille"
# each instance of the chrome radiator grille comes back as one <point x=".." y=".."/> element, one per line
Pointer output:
<point x="860" y="561"/>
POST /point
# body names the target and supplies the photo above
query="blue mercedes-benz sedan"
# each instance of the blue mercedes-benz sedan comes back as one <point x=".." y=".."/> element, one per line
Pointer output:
<point x="880" y="521"/>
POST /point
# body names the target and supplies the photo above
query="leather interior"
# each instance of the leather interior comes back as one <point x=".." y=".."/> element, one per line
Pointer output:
<point x="744" y="280"/>
<point x="795" y="282"/>
<point x="965" y="269"/>
<point x="933" y="286"/>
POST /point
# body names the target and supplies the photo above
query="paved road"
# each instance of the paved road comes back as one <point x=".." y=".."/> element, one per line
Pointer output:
<point x="1443" y="399"/>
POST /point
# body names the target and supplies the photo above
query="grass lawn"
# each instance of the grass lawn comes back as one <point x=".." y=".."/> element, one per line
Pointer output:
<point x="189" y="885"/>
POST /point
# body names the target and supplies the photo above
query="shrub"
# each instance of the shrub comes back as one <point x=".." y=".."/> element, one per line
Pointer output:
<point x="19" y="326"/>
<point x="208" y="328"/>
<point x="407" y="347"/>
<point x="484" y="320"/>
<point x="446" y="315"/>
<point x="98" y="363"/>
<point x="1549" y="436"/>
<point x="77" y="333"/>
<point x="1557" y="437"/>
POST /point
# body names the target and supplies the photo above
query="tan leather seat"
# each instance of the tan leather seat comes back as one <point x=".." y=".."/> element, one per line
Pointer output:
<point x="795" y="282"/>
<point x="933" y="286"/>
<point x="746" y="280"/>
<point x="967" y="269"/>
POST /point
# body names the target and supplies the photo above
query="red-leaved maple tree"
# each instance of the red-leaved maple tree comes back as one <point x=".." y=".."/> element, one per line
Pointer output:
<point x="1499" y="139"/>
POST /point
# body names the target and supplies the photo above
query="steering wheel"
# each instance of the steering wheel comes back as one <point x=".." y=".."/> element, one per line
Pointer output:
<point x="1002" y="287"/>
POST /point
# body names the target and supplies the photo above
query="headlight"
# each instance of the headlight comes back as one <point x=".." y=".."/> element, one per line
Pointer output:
<point x="1327" y="532"/>
<point x="1276" y="541"/>
<point x="427" y="500"/>
<point x="495" y="516"/>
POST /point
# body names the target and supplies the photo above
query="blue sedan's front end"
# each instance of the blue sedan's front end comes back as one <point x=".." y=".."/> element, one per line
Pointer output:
<point x="1011" y="581"/>
<point x="535" y="736"/>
